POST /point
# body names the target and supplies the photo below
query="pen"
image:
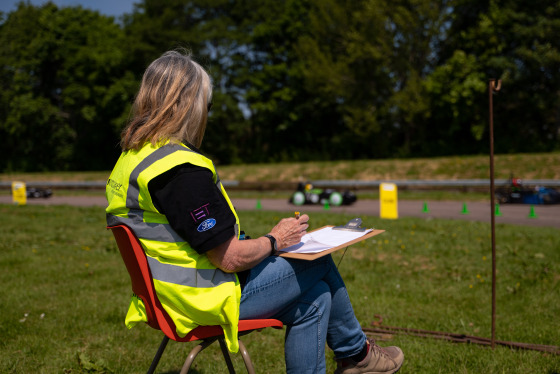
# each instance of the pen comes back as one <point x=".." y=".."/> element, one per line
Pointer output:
<point x="297" y="215"/>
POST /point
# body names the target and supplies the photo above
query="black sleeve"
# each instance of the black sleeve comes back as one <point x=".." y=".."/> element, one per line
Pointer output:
<point x="194" y="206"/>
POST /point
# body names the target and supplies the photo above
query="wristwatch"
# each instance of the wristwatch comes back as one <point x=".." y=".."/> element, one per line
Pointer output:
<point x="273" y="244"/>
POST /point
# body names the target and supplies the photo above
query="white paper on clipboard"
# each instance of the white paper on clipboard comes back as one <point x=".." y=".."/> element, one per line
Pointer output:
<point x="323" y="239"/>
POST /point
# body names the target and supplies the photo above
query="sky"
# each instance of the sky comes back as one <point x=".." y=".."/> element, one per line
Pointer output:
<point x="108" y="7"/>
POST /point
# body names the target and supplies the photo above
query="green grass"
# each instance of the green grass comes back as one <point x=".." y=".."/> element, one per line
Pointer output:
<point x="65" y="293"/>
<point x="525" y="166"/>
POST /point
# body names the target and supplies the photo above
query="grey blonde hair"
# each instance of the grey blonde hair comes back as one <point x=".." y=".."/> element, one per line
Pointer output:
<point x="171" y="103"/>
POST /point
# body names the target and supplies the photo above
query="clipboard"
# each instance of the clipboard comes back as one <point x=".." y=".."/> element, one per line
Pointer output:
<point x="313" y="256"/>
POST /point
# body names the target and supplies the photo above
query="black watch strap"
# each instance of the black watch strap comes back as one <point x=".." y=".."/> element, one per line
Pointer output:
<point x="273" y="244"/>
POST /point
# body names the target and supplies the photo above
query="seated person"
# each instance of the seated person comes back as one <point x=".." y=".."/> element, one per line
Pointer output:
<point x="170" y="195"/>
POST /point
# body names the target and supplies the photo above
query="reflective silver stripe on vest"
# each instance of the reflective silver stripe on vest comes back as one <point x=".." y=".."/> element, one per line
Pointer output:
<point x="161" y="232"/>
<point x="190" y="277"/>
<point x="133" y="192"/>
<point x="218" y="181"/>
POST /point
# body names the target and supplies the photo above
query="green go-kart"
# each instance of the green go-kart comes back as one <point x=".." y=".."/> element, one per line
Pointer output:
<point x="307" y="194"/>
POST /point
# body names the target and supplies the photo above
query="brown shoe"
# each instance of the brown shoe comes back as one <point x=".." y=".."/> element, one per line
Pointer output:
<point x="378" y="361"/>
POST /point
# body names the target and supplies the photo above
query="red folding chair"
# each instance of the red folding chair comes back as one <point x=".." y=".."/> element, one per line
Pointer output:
<point x="142" y="285"/>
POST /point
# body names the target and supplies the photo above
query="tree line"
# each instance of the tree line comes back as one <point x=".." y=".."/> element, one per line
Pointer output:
<point x="294" y="80"/>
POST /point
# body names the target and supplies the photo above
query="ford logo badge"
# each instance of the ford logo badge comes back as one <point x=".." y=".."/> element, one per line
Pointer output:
<point x="206" y="225"/>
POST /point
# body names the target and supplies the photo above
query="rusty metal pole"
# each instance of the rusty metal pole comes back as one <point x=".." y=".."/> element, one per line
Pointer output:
<point x="493" y="87"/>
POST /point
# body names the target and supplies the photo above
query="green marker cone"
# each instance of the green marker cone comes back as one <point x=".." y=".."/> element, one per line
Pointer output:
<point x="465" y="209"/>
<point x="425" y="208"/>
<point x="326" y="206"/>
<point x="259" y="206"/>
<point x="497" y="212"/>
<point x="532" y="213"/>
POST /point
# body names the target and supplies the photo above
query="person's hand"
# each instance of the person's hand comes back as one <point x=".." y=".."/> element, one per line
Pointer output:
<point x="289" y="231"/>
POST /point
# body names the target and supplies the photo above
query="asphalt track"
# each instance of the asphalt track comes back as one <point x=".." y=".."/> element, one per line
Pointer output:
<point x="516" y="214"/>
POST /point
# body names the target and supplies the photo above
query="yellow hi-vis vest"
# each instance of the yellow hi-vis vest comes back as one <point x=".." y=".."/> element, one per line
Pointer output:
<point x="192" y="290"/>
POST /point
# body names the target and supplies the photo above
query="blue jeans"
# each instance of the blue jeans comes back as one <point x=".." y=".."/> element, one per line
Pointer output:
<point x="310" y="298"/>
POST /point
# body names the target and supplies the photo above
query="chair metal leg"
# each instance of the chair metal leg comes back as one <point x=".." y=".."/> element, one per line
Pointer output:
<point x="155" y="361"/>
<point x="225" y="352"/>
<point x="207" y="342"/>
<point x="194" y="352"/>
<point x="246" y="358"/>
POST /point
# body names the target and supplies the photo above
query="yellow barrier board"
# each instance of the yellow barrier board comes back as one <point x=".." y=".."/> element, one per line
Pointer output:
<point x="388" y="201"/>
<point x="19" y="193"/>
